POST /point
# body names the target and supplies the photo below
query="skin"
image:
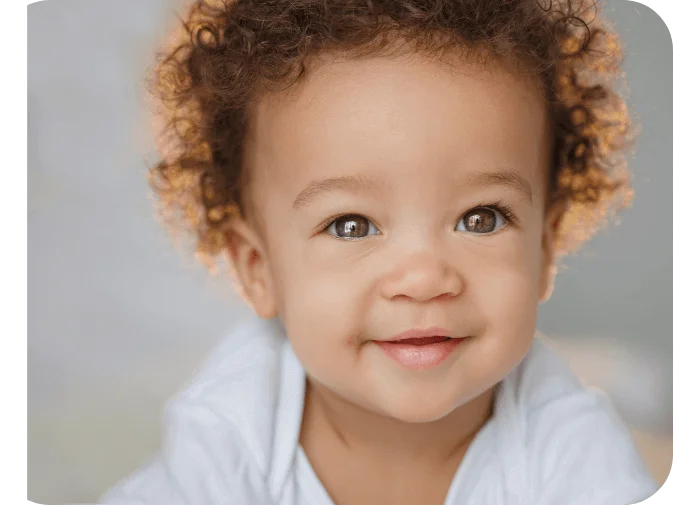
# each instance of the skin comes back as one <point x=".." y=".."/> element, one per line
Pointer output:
<point x="422" y="133"/>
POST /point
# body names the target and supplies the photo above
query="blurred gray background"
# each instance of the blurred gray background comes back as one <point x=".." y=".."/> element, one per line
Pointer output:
<point x="119" y="320"/>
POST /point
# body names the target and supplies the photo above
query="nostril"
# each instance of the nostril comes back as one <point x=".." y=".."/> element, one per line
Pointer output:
<point x="442" y="298"/>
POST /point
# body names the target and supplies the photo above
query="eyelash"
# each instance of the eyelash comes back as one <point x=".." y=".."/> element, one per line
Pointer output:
<point x="499" y="206"/>
<point x="505" y="210"/>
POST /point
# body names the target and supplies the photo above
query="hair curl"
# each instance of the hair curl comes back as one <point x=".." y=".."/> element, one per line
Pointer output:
<point x="226" y="54"/>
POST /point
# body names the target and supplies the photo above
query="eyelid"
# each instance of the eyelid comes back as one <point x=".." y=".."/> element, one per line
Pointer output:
<point x="327" y="222"/>
<point x="503" y="209"/>
<point x="322" y="227"/>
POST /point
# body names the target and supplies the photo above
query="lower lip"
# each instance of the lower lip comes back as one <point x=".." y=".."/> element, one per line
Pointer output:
<point x="419" y="357"/>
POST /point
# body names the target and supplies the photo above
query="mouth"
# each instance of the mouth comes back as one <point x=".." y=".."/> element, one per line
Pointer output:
<point x="420" y="349"/>
<point x="418" y="353"/>
<point x="427" y="336"/>
<point x="435" y="339"/>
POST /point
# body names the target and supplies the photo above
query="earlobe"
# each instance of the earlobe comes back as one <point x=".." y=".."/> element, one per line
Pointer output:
<point x="549" y="268"/>
<point x="250" y="267"/>
<point x="547" y="280"/>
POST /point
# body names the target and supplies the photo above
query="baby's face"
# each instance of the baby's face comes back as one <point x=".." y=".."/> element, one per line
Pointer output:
<point x="440" y="178"/>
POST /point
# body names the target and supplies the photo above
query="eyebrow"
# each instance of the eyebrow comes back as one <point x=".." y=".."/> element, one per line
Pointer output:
<point x="347" y="183"/>
<point x="506" y="178"/>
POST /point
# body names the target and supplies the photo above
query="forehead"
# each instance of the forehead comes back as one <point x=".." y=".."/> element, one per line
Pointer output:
<point x="358" y="115"/>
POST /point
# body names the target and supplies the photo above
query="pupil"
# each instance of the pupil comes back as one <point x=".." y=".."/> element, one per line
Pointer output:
<point x="482" y="221"/>
<point x="353" y="227"/>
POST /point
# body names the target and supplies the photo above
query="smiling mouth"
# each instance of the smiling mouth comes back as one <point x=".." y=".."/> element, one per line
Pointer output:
<point x="421" y="341"/>
<point x="419" y="353"/>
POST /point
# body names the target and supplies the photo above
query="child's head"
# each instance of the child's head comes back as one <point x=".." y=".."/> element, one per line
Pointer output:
<point x="371" y="167"/>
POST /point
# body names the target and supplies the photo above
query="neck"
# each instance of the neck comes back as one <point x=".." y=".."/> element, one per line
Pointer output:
<point x="358" y="432"/>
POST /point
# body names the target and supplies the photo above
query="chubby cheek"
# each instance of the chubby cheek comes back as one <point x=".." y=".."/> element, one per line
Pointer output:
<point x="506" y="297"/>
<point x="322" y="310"/>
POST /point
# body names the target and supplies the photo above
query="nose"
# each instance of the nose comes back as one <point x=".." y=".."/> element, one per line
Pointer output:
<point x="422" y="278"/>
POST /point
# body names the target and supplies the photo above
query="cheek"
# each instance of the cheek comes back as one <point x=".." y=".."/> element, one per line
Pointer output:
<point x="505" y="294"/>
<point x="318" y="287"/>
<point x="509" y="302"/>
<point x="508" y="289"/>
<point x="320" y="306"/>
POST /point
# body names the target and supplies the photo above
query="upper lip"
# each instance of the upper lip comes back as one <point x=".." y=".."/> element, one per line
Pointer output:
<point x="434" y="331"/>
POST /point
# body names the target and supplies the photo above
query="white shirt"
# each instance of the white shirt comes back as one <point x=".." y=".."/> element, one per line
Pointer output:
<point x="232" y="438"/>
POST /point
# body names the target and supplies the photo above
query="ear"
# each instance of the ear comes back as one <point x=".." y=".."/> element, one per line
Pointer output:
<point x="549" y="267"/>
<point x="250" y="266"/>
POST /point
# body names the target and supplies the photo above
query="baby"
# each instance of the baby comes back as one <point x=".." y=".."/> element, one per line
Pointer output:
<point x="392" y="183"/>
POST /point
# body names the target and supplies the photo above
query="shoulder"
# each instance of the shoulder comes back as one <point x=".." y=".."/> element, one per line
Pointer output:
<point x="203" y="459"/>
<point x="578" y="449"/>
<point x="218" y="432"/>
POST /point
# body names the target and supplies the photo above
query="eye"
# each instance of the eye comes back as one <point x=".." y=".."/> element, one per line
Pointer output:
<point x="351" y="227"/>
<point x="483" y="220"/>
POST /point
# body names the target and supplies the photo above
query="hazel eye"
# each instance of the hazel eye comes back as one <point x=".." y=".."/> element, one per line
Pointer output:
<point x="351" y="227"/>
<point x="481" y="220"/>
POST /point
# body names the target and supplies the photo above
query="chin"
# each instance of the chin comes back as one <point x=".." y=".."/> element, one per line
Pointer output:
<point x="419" y="409"/>
<point x="423" y="418"/>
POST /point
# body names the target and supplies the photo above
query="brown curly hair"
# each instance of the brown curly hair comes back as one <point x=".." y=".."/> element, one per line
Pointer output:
<point x="225" y="55"/>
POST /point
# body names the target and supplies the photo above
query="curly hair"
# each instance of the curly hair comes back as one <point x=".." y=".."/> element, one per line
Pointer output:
<point x="225" y="55"/>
